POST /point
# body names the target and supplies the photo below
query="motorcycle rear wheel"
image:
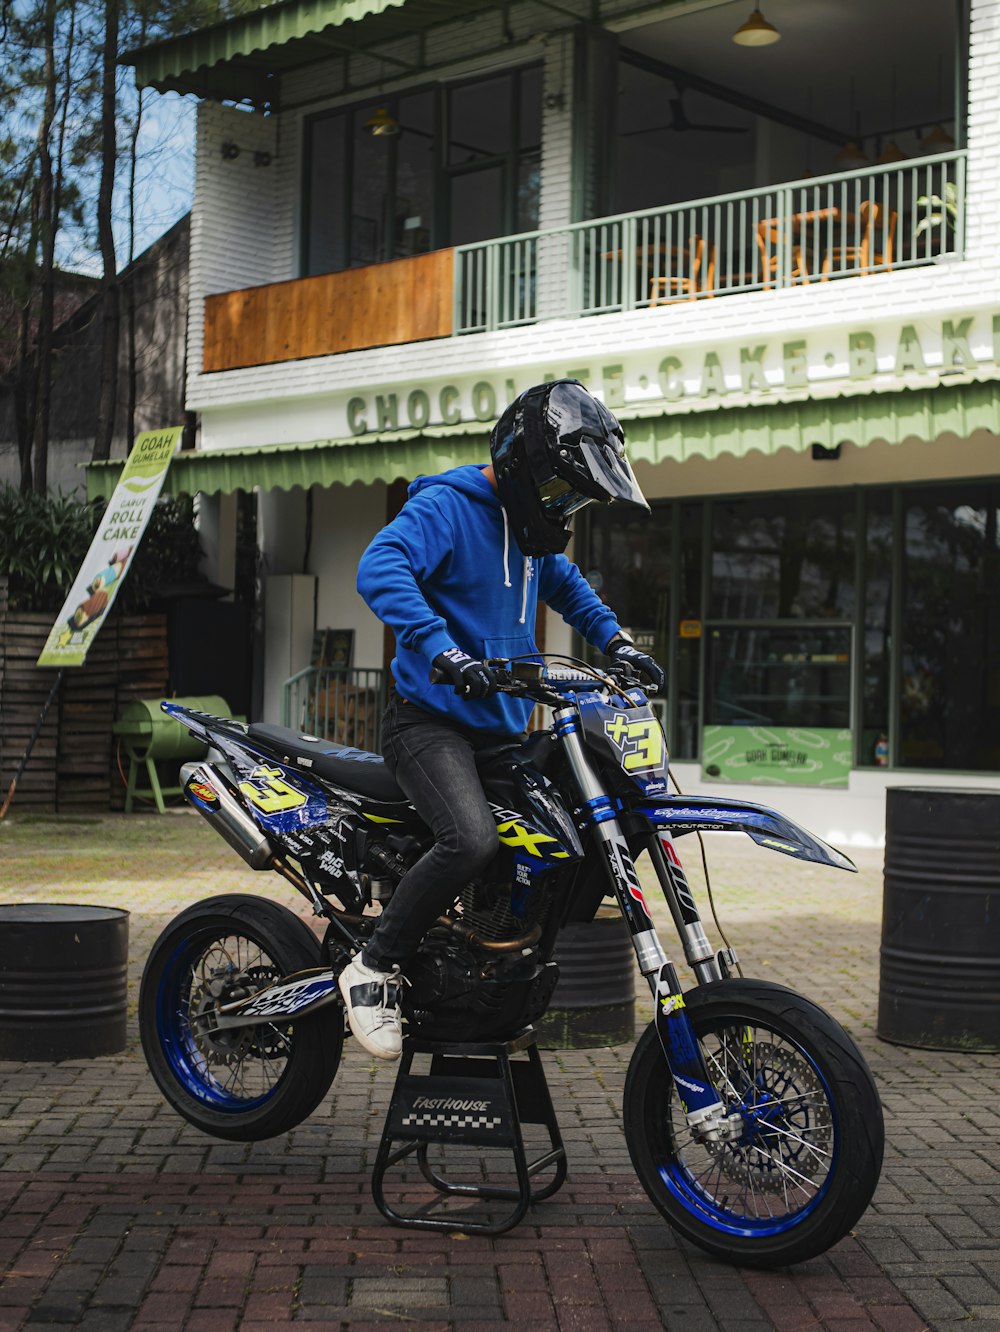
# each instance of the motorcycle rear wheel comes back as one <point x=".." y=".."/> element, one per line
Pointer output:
<point x="807" y="1162"/>
<point x="244" y="1083"/>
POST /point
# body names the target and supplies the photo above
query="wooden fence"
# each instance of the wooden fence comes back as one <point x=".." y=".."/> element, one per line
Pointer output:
<point x="74" y="763"/>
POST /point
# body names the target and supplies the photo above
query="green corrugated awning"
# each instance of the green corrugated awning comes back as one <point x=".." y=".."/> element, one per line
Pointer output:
<point x="957" y="409"/>
<point x="242" y="57"/>
<point x="395" y="455"/>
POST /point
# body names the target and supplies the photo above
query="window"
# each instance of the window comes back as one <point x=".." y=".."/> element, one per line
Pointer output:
<point x="783" y="557"/>
<point x="949" y="699"/>
<point x="628" y="565"/>
<point x="769" y="639"/>
<point x="463" y="167"/>
<point x="876" y="631"/>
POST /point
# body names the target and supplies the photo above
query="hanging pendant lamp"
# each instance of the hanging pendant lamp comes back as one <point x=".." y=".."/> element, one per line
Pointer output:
<point x="938" y="140"/>
<point x="756" y="32"/>
<point x="381" y="124"/>
<point x="850" y="157"/>
<point x="891" y="153"/>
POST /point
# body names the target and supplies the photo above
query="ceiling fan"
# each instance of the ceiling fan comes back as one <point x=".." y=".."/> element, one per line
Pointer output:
<point x="681" y="123"/>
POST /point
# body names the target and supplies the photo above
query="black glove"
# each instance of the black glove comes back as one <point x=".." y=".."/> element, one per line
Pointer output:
<point x="620" y="649"/>
<point x="471" y="678"/>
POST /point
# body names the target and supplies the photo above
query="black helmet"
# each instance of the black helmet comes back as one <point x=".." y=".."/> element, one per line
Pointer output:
<point x="554" y="450"/>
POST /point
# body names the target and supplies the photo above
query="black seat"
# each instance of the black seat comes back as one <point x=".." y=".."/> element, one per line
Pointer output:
<point x="356" y="769"/>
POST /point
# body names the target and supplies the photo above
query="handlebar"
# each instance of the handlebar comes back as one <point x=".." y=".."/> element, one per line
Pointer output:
<point x="545" y="684"/>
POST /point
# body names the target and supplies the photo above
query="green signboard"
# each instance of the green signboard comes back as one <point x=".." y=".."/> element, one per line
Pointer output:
<point x="777" y="755"/>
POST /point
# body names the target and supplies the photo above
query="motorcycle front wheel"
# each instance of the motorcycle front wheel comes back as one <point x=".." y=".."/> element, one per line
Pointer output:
<point x="807" y="1158"/>
<point x="241" y="1083"/>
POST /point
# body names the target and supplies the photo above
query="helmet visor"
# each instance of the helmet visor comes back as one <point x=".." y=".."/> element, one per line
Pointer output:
<point x="611" y="472"/>
<point x="560" y="500"/>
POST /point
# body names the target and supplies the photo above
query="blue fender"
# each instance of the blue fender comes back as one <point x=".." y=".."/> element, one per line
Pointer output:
<point x="684" y="814"/>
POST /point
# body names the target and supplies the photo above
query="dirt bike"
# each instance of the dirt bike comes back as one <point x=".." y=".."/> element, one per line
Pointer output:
<point x="751" y="1117"/>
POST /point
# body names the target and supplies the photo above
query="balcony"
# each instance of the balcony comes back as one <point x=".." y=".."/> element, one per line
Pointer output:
<point x="804" y="232"/>
<point x="807" y="231"/>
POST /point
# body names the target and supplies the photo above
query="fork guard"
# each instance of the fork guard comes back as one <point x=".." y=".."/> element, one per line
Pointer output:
<point x="685" y="814"/>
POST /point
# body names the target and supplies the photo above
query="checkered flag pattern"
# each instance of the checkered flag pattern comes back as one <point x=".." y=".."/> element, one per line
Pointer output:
<point x="452" y="1121"/>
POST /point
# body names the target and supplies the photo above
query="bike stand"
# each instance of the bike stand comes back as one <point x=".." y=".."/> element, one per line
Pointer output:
<point x="475" y="1096"/>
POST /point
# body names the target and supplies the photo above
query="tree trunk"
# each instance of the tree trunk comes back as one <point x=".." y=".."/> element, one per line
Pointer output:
<point x="110" y="305"/>
<point x="47" y="232"/>
<point x="129" y="291"/>
<point x="24" y="405"/>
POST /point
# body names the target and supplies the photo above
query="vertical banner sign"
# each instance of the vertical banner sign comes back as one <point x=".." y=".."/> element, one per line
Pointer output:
<point x="112" y="549"/>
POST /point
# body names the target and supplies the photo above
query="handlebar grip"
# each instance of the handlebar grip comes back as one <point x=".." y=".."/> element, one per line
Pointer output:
<point x="438" y="676"/>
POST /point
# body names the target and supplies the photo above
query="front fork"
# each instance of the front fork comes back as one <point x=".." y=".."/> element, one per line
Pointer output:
<point x="705" y="1112"/>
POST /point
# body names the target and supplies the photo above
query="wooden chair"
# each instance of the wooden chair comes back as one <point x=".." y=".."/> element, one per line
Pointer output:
<point x="876" y="237"/>
<point x="770" y="237"/>
<point x="688" y="280"/>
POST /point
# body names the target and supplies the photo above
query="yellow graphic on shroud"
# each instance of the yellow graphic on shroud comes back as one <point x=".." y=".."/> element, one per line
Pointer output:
<point x="516" y="834"/>
<point x="269" y="793"/>
<point x="641" y="742"/>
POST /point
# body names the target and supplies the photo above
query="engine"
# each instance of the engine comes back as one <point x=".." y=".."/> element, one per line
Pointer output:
<point x="480" y="976"/>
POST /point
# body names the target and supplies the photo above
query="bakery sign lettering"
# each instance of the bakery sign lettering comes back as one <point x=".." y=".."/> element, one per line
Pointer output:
<point x="821" y="363"/>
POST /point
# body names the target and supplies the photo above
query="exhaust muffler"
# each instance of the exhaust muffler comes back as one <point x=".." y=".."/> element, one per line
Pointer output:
<point x="214" y="797"/>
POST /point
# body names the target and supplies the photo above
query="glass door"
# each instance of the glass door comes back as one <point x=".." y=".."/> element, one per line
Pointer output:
<point x="778" y="703"/>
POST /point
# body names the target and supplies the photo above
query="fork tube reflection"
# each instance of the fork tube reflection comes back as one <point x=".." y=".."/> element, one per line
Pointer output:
<point x="608" y="835"/>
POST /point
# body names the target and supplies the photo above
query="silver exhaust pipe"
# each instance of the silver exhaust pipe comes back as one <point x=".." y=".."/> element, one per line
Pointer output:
<point x="214" y="797"/>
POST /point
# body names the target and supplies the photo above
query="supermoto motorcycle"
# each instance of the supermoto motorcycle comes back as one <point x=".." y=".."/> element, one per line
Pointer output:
<point x="751" y="1117"/>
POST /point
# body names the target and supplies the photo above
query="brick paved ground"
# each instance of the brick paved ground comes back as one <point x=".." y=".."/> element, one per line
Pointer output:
<point x="116" y="1214"/>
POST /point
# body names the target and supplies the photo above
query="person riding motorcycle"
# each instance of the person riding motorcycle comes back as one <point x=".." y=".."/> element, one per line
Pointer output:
<point x="442" y="575"/>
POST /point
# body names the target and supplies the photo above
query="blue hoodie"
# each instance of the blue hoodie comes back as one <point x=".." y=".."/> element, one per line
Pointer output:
<point x="446" y="573"/>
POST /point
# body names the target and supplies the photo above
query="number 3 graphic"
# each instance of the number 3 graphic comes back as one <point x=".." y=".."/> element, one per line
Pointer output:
<point x="649" y="746"/>
<point x="270" y="793"/>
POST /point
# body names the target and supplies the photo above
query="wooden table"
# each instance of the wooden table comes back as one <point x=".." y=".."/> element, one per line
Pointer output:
<point x="806" y="233"/>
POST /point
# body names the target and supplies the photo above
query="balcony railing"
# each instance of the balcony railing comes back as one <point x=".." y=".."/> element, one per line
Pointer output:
<point x="815" y="230"/>
<point x="343" y="706"/>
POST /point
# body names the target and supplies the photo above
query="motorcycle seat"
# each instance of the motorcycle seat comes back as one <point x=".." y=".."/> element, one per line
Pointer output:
<point x="357" y="769"/>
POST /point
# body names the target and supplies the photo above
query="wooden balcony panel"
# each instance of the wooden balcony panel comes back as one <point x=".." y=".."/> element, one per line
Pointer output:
<point x="406" y="300"/>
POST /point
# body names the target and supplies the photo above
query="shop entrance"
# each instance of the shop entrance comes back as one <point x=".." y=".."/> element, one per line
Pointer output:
<point x="806" y="633"/>
<point x="778" y="702"/>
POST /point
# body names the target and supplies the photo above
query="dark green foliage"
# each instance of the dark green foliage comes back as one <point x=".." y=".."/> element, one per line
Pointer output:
<point x="44" y="538"/>
<point x="168" y="558"/>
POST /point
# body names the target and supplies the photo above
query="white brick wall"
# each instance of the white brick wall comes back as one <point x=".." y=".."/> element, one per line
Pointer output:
<point x="983" y="179"/>
<point x="233" y="218"/>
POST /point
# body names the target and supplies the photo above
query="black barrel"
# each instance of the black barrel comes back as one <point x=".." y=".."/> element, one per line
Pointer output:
<point x="63" y="981"/>
<point x="594" y="1002"/>
<point x="939" y="984"/>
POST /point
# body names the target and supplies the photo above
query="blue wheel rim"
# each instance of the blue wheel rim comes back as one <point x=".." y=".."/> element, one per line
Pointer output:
<point x="185" y="1058"/>
<point x="776" y="1121"/>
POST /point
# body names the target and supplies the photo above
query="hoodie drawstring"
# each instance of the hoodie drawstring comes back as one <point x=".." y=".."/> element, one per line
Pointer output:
<point x="506" y="567"/>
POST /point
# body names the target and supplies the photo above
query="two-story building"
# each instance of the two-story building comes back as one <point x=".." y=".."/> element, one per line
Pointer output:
<point x="767" y="240"/>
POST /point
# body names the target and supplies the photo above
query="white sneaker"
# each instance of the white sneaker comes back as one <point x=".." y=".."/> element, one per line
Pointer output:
<point x="371" y="999"/>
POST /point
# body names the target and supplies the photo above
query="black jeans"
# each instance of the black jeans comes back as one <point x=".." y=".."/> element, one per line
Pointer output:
<point x="434" y="761"/>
